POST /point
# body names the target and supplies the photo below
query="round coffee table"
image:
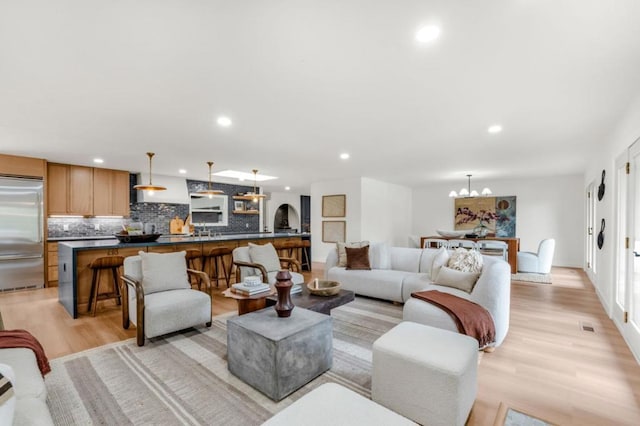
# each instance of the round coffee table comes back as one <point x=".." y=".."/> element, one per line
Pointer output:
<point x="248" y="304"/>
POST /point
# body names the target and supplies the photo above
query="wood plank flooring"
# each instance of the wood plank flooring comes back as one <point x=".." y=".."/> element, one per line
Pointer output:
<point x="548" y="366"/>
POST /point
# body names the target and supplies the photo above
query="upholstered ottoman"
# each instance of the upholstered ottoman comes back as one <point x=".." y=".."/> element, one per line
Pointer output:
<point x="332" y="404"/>
<point x="426" y="374"/>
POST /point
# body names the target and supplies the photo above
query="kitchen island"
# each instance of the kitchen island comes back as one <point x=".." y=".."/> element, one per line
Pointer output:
<point x="74" y="257"/>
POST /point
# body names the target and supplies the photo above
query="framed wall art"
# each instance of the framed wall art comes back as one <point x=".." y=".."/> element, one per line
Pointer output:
<point x="334" y="205"/>
<point x="334" y="231"/>
<point x="238" y="205"/>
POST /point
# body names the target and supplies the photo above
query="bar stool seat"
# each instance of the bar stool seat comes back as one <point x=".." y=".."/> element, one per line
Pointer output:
<point x="97" y="266"/>
<point x="214" y="256"/>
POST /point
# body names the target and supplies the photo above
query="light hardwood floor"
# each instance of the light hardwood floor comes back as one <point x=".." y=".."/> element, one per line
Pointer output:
<point x="547" y="365"/>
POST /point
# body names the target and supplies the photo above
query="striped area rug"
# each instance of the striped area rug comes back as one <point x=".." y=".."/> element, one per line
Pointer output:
<point x="183" y="378"/>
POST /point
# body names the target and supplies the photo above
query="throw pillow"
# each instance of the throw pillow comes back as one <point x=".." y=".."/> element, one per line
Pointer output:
<point x="380" y="255"/>
<point x="265" y="255"/>
<point x="164" y="271"/>
<point x="358" y="258"/>
<point x="7" y="395"/>
<point x="464" y="281"/>
<point x="439" y="260"/>
<point x="466" y="260"/>
<point x="342" y="254"/>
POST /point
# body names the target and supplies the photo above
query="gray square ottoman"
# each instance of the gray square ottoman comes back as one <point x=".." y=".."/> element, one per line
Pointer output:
<point x="279" y="355"/>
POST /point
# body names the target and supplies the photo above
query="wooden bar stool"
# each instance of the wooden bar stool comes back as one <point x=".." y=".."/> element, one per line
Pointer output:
<point x="215" y="255"/>
<point x="304" y="258"/>
<point x="97" y="266"/>
<point x="298" y="251"/>
<point x="191" y="257"/>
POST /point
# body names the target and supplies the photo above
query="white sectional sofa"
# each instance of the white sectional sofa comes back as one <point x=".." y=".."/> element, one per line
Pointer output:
<point x="409" y="270"/>
<point x="29" y="388"/>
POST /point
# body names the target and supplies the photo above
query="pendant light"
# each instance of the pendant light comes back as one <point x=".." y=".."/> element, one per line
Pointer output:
<point x="151" y="186"/>
<point x="210" y="192"/>
<point x="467" y="192"/>
<point x="255" y="194"/>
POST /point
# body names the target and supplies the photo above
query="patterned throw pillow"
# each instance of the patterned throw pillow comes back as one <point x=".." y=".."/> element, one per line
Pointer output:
<point x="342" y="254"/>
<point x="465" y="260"/>
<point x="358" y="258"/>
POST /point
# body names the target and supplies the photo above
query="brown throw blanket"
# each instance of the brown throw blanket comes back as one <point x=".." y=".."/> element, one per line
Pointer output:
<point x="24" y="339"/>
<point x="470" y="318"/>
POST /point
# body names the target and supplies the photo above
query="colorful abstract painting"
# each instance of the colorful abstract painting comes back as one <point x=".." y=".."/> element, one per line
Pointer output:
<point x="496" y="214"/>
<point x="506" y="211"/>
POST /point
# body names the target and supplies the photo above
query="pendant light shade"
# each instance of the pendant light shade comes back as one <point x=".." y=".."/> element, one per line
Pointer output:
<point x="255" y="194"/>
<point x="210" y="192"/>
<point x="150" y="186"/>
<point x="468" y="192"/>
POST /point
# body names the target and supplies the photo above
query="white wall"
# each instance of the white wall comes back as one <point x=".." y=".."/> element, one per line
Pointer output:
<point x="549" y="207"/>
<point x="352" y="189"/>
<point x="623" y="136"/>
<point x="276" y="199"/>
<point x="386" y="212"/>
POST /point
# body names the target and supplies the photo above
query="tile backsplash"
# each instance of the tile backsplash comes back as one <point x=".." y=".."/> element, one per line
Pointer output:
<point x="158" y="213"/>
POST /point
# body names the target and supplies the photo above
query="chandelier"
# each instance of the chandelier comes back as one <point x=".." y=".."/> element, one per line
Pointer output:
<point x="467" y="192"/>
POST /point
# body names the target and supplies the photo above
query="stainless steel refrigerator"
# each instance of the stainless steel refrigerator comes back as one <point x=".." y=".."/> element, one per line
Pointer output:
<point x="21" y="234"/>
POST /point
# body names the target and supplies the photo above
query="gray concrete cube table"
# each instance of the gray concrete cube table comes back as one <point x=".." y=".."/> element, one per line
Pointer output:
<point x="279" y="355"/>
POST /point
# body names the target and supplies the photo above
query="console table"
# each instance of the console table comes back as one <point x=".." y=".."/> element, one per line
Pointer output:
<point x="513" y="245"/>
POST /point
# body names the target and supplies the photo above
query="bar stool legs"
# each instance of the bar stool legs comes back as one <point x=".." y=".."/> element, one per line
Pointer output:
<point x="97" y="266"/>
<point x="218" y="255"/>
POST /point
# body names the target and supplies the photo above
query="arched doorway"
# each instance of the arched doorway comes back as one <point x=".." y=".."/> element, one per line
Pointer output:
<point x="286" y="219"/>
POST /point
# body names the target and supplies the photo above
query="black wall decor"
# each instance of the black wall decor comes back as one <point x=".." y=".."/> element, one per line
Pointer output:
<point x="601" y="188"/>
<point x="601" y="235"/>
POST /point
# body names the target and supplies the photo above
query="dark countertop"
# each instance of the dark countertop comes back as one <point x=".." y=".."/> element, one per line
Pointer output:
<point x="95" y="237"/>
<point x="111" y="242"/>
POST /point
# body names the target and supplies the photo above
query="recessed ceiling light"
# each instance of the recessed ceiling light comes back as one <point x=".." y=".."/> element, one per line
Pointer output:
<point x="427" y="34"/>
<point x="496" y="128"/>
<point x="344" y="156"/>
<point x="287" y="188"/>
<point x="182" y="171"/>
<point x="98" y="160"/>
<point x="224" y="121"/>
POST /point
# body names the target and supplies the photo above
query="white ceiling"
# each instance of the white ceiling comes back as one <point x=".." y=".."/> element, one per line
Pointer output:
<point x="304" y="81"/>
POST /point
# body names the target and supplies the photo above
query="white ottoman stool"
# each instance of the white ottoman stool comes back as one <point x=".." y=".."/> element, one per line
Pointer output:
<point x="335" y="405"/>
<point x="426" y="374"/>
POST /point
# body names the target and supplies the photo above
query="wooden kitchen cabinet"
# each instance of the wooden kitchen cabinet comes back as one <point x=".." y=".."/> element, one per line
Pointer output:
<point x="110" y="192"/>
<point x="21" y="166"/>
<point x="69" y="190"/>
<point x="52" y="264"/>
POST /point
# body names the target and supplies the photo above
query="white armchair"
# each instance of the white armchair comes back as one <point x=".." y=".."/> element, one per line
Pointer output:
<point x="539" y="262"/>
<point x="157" y="295"/>
<point x="263" y="260"/>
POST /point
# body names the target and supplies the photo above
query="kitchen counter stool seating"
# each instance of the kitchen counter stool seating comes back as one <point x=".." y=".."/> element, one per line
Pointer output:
<point x="98" y="266"/>
<point x="263" y="260"/>
<point x="216" y="257"/>
<point x="191" y="257"/>
<point x="158" y="297"/>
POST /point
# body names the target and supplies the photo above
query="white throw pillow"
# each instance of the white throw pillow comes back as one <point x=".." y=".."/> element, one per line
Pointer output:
<point x="7" y="395"/>
<point x="439" y="260"/>
<point x="164" y="271"/>
<point x="380" y="255"/>
<point x="464" y="281"/>
<point x="265" y="255"/>
<point x="466" y="260"/>
<point x="342" y="253"/>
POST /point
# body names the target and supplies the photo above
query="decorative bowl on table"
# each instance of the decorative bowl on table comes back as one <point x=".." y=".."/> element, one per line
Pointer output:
<point x="143" y="238"/>
<point x="323" y="287"/>
<point x="451" y="234"/>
